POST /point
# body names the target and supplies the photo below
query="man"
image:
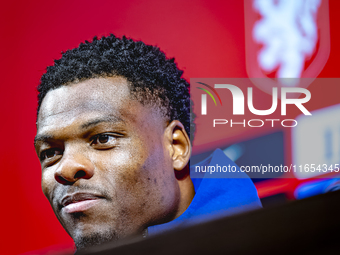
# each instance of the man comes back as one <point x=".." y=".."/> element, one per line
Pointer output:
<point x="112" y="138"/>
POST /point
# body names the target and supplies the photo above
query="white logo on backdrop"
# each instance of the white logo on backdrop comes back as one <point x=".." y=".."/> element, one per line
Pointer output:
<point x="288" y="32"/>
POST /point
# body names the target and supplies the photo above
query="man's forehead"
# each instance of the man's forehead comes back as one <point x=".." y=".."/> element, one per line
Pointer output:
<point x="74" y="108"/>
<point x="92" y="99"/>
<point x="95" y="97"/>
<point x="96" y="93"/>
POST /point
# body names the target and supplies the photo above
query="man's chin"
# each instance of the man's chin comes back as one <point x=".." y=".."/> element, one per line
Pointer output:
<point x="93" y="239"/>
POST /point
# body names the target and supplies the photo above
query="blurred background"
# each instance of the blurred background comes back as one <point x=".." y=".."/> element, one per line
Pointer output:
<point x="266" y="39"/>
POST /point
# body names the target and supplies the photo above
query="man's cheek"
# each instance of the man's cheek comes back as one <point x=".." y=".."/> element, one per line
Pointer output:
<point x="47" y="183"/>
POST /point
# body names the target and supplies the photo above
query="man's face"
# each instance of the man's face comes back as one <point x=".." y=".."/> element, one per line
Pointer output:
<point x="106" y="164"/>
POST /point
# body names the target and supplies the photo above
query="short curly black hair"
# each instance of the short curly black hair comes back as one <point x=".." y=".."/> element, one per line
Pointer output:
<point x="152" y="77"/>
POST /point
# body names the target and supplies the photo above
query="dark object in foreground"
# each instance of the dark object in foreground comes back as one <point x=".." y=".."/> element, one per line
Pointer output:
<point x="309" y="226"/>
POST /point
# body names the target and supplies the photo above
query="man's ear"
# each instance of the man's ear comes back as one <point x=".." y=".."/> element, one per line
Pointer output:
<point x="180" y="146"/>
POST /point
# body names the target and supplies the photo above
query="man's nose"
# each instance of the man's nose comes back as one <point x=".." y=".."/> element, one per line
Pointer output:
<point x="73" y="166"/>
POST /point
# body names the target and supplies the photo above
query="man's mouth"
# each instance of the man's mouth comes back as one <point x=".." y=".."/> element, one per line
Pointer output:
<point x="79" y="202"/>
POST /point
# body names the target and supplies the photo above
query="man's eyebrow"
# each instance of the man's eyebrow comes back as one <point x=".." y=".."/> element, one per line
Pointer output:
<point x="112" y="119"/>
<point x="42" y="138"/>
<point x="94" y="122"/>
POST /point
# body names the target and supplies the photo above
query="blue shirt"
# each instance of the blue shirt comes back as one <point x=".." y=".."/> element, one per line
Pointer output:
<point x="215" y="197"/>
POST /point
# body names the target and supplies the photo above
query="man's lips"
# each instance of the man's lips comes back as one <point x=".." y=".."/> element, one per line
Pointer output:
<point x="79" y="202"/>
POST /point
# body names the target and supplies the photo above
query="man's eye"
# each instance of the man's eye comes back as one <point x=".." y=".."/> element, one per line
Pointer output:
<point x="103" y="140"/>
<point x="50" y="153"/>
